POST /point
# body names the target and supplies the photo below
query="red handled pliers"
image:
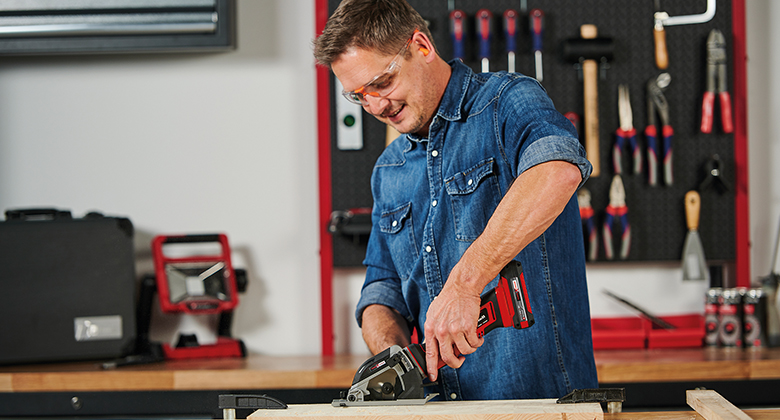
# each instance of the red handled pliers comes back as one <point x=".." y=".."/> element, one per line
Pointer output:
<point x="716" y="83"/>
<point x="586" y="214"/>
<point x="656" y="102"/>
<point x="617" y="210"/>
<point x="625" y="132"/>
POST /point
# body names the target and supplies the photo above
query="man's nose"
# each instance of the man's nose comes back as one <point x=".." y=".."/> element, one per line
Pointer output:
<point x="376" y="105"/>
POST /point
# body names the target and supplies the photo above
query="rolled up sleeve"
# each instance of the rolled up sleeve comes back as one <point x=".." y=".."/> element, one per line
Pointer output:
<point x="381" y="288"/>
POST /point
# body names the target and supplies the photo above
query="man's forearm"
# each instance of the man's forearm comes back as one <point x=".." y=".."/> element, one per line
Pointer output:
<point x="531" y="205"/>
<point x="384" y="327"/>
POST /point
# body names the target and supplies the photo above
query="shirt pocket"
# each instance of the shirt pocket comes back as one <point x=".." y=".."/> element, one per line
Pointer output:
<point x="398" y="230"/>
<point x="475" y="194"/>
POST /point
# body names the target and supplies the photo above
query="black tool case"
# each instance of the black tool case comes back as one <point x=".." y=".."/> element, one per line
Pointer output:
<point x="68" y="286"/>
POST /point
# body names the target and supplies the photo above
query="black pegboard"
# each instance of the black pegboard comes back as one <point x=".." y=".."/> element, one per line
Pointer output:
<point x="656" y="213"/>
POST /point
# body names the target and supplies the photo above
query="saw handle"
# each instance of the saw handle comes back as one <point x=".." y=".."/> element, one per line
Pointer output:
<point x="661" y="54"/>
<point x="692" y="209"/>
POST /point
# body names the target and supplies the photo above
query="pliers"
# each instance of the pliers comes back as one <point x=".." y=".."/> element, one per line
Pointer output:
<point x="617" y="210"/>
<point x="716" y="83"/>
<point x="625" y="132"/>
<point x="586" y="214"/>
<point x="656" y="102"/>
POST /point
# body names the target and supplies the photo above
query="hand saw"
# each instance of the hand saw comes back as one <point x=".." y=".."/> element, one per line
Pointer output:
<point x="395" y="376"/>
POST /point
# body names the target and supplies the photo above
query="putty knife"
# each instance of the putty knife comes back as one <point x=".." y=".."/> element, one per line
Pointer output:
<point x="694" y="263"/>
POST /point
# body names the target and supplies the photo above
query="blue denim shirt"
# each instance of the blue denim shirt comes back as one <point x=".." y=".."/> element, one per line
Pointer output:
<point x="433" y="196"/>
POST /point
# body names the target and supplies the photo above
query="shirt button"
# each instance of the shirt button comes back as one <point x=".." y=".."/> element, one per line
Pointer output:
<point x="395" y="223"/>
<point x="435" y="153"/>
<point x="453" y="396"/>
<point x="434" y="203"/>
<point x="428" y="248"/>
<point x="470" y="182"/>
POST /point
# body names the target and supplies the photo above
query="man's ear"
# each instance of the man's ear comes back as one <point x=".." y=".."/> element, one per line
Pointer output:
<point x="423" y="44"/>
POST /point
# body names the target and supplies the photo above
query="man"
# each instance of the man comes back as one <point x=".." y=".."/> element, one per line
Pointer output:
<point x="485" y="172"/>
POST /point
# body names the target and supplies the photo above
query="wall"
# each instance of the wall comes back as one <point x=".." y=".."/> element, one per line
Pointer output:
<point x="185" y="143"/>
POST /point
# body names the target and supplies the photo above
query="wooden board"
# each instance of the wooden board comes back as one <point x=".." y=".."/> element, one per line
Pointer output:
<point x="443" y="410"/>
<point x="712" y="406"/>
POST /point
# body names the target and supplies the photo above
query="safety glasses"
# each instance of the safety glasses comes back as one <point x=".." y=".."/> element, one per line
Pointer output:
<point x="384" y="83"/>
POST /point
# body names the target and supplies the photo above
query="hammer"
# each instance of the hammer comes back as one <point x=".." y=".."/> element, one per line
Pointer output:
<point x="586" y="50"/>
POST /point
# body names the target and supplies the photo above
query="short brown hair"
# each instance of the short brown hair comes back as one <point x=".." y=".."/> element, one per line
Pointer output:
<point x="381" y="25"/>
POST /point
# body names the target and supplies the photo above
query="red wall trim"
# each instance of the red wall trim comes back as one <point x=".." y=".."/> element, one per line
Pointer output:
<point x="742" y="210"/>
<point x="323" y="142"/>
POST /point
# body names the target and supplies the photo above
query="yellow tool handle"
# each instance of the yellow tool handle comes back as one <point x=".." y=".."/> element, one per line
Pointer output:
<point x="591" y="95"/>
<point x="661" y="55"/>
<point x="692" y="209"/>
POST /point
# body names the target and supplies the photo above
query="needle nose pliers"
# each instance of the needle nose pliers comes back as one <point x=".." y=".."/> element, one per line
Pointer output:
<point x="586" y="214"/>
<point x="617" y="210"/>
<point x="626" y="132"/>
<point x="716" y="83"/>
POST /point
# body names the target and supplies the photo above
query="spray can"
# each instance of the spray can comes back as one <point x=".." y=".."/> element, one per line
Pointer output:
<point x="754" y="316"/>
<point x="730" y="319"/>
<point x="711" y="310"/>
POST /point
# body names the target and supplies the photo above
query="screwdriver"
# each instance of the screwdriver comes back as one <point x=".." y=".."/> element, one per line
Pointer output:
<point x="458" y="32"/>
<point x="484" y="20"/>
<point x="510" y="29"/>
<point x="537" y="26"/>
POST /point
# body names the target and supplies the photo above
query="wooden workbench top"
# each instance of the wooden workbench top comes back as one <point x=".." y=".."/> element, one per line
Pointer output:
<point x="313" y="372"/>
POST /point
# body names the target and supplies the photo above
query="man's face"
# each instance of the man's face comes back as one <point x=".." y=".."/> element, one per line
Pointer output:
<point x="404" y="98"/>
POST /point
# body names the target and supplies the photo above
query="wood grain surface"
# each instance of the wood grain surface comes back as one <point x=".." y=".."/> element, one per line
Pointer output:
<point x="442" y="410"/>
<point x="712" y="406"/>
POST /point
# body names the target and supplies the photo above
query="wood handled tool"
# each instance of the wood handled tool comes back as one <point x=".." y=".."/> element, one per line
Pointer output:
<point x="694" y="263"/>
<point x="662" y="19"/>
<point x="587" y="50"/>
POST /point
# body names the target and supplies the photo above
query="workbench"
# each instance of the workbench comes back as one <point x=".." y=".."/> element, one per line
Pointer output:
<point x="652" y="378"/>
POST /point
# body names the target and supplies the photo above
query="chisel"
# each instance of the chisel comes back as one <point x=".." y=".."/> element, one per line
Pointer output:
<point x="510" y="30"/>
<point x="458" y="32"/>
<point x="484" y="21"/>
<point x="537" y="26"/>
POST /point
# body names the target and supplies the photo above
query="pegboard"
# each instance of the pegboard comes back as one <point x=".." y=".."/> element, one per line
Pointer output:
<point x="656" y="214"/>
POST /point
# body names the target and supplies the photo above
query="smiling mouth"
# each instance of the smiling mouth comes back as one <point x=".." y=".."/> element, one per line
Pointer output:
<point x="394" y="114"/>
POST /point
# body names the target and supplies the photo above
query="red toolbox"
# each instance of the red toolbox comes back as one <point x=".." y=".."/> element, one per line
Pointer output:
<point x="618" y="333"/>
<point x="689" y="332"/>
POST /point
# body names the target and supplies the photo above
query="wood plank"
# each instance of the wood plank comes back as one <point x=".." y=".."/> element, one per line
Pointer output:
<point x="443" y="410"/>
<point x="712" y="406"/>
<point x="6" y="381"/>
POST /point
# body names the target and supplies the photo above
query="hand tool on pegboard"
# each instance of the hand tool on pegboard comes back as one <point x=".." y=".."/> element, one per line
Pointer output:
<point x="510" y="33"/>
<point x="662" y="19"/>
<point x="645" y="313"/>
<point x="657" y="103"/>
<point x="589" y="224"/>
<point x="626" y="133"/>
<point x="716" y="84"/>
<point x="458" y="33"/>
<point x="617" y="212"/>
<point x="587" y="50"/>
<point x="536" y="20"/>
<point x="693" y="261"/>
<point x="713" y="175"/>
<point x="484" y="32"/>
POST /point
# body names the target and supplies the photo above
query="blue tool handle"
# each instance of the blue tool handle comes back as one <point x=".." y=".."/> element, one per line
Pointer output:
<point x="537" y="28"/>
<point x="458" y="32"/>
<point x="510" y="29"/>
<point x="652" y="156"/>
<point x="636" y="153"/>
<point x="617" y="151"/>
<point x="668" y="134"/>
<point x="484" y="20"/>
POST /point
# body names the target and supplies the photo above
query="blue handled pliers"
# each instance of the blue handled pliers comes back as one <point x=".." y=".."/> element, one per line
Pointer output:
<point x="656" y="102"/>
<point x="617" y="210"/>
<point x="589" y="225"/>
<point x="626" y="132"/>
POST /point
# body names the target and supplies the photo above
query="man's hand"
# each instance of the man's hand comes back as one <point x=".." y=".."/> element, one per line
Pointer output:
<point x="451" y="327"/>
